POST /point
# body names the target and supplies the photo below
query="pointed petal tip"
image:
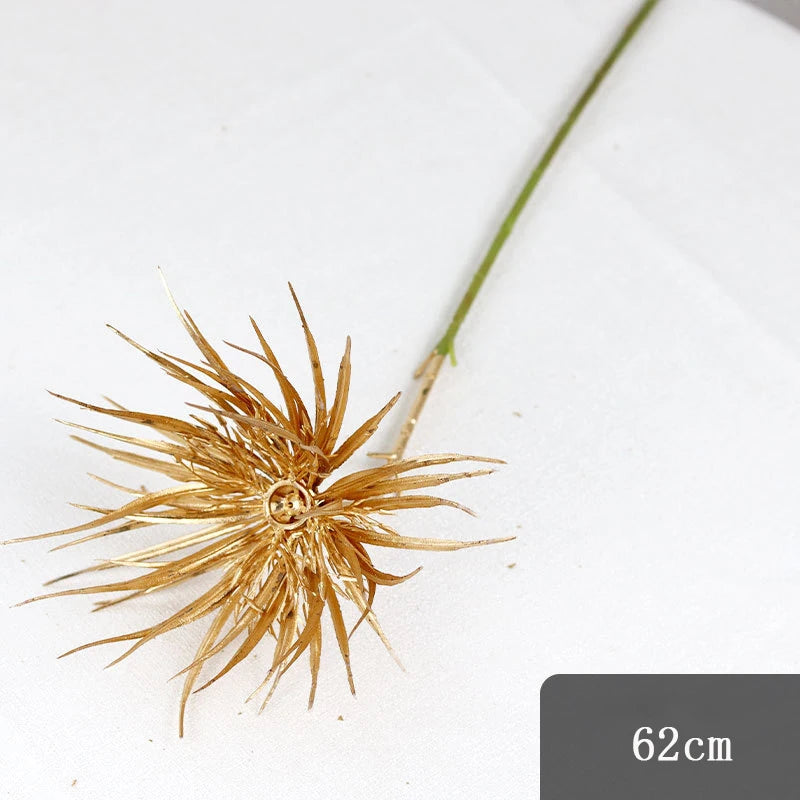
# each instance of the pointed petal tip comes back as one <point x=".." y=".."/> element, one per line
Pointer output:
<point x="499" y="540"/>
<point x="56" y="580"/>
<point x="21" y="539"/>
<point x="478" y="473"/>
<point x="73" y="651"/>
<point x="482" y="459"/>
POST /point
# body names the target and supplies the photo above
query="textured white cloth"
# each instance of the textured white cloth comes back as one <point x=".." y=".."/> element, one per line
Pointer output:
<point x="635" y="358"/>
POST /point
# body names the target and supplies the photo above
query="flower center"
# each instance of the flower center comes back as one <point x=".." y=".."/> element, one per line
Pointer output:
<point x="285" y="503"/>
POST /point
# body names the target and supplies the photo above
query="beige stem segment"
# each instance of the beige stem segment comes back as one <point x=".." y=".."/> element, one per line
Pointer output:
<point x="427" y="372"/>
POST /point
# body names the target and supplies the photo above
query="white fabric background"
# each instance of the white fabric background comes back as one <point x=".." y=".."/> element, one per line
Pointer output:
<point x="642" y="321"/>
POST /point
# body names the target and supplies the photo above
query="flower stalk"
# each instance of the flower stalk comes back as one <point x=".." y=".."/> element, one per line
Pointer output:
<point x="445" y="347"/>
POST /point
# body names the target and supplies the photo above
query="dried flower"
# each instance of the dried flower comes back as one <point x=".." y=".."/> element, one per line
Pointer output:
<point x="287" y="547"/>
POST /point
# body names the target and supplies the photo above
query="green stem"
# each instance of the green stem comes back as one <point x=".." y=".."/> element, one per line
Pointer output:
<point x="445" y="345"/>
<point x="429" y="370"/>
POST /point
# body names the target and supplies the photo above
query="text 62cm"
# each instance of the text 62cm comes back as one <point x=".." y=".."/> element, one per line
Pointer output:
<point x="712" y="748"/>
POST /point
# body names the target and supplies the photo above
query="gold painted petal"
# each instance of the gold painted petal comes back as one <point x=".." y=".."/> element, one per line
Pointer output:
<point x="170" y="364"/>
<point x="316" y="605"/>
<point x="194" y="672"/>
<point x="384" y="504"/>
<point x="177" y="472"/>
<point x="159" y="446"/>
<point x="341" y="632"/>
<point x="408" y="483"/>
<point x="298" y="414"/>
<point x="361" y="435"/>
<point x="271" y="597"/>
<point x="334" y="426"/>
<point x="386" y="539"/>
<point x="140" y="504"/>
<point x="157" y="421"/>
<point x="321" y="413"/>
<point x="372" y="474"/>
<point x="315" y="657"/>
<point x="252" y="422"/>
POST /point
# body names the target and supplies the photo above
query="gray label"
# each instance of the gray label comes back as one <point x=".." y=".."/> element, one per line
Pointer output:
<point x="670" y="736"/>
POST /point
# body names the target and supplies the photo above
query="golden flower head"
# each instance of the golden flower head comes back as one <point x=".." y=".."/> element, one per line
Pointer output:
<point x="287" y="537"/>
